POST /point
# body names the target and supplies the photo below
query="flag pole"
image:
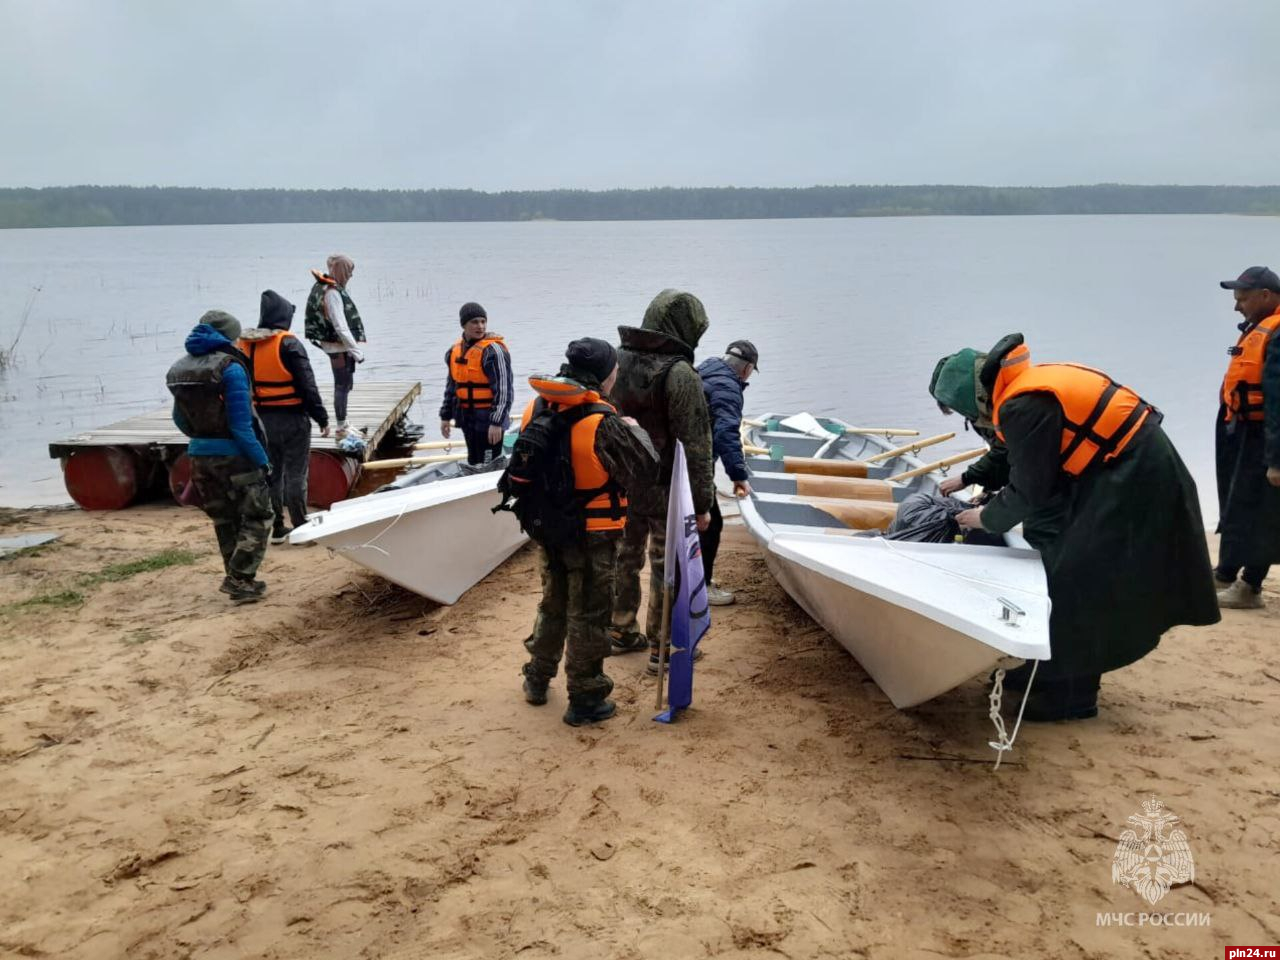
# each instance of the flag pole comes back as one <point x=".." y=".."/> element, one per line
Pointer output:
<point x="664" y="640"/>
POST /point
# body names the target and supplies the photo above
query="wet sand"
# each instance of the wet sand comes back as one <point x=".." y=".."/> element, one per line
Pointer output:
<point x="346" y="770"/>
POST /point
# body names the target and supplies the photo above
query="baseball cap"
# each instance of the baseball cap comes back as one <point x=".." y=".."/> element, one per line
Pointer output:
<point x="1255" y="278"/>
<point x="744" y="350"/>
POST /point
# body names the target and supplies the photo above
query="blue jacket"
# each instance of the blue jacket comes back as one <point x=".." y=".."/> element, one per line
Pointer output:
<point x="244" y="440"/>
<point x="724" y="392"/>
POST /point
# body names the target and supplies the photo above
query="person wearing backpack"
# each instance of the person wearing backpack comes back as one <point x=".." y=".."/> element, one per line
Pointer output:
<point x="658" y="385"/>
<point x="567" y="483"/>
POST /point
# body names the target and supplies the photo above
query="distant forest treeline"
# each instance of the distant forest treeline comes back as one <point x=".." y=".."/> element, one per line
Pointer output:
<point x="121" y="206"/>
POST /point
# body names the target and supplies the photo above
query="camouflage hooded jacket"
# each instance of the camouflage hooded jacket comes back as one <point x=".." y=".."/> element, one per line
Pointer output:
<point x="658" y="385"/>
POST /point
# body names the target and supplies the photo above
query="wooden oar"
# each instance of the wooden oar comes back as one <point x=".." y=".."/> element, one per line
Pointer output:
<point x="937" y="465"/>
<point x="909" y="448"/>
<point x="879" y="431"/>
<point x="826" y="468"/>
<point x="439" y="444"/>
<point x="848" y="488"/>
<point x="411" y="461"/>
<point x="858" y="514"/>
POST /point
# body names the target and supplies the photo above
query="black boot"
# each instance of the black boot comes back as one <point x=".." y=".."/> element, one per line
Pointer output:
<point x="535" y="687"/>
<point x="1075" y="698"/>
<point x="588" y="709"/>
<point x="535" y="691"/>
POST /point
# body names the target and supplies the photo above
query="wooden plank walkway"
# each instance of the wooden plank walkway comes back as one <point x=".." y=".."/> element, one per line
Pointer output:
<point x="373" y="406"/>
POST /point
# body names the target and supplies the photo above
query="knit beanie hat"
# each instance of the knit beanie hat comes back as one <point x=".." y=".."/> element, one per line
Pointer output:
<point x="470" y="311"/>
<point x="596" y="357"/>
<point x="224" y="323"/>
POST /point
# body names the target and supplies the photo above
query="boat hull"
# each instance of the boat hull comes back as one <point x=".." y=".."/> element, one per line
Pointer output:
<point x="911" y="656"/>
<point x="438" y="539"/>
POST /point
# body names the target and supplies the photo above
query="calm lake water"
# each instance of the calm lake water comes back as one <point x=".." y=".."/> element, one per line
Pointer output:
<point x="849" y="315"/>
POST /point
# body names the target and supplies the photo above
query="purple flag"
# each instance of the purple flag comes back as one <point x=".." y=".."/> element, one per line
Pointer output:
<point x="690" y="615"/>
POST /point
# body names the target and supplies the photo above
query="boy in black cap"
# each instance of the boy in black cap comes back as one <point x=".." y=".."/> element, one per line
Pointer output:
<point x="477" y="390"/>
<point x="1247" y="444"/>
<point x="609" y="454"/>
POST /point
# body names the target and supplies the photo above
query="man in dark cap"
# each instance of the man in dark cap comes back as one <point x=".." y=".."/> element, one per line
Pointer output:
<point x="1126" y="559"/>
<point x="724" y="381"/>
<point x="658" y="385"/>
<point x="1247" y="444"/>
<point x="477" y="389"/>
<point x="609" y="456"/>
<point x="213" y="405"/>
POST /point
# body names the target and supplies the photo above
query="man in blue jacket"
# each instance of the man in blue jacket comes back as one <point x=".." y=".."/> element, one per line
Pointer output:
<point x="213" y="405"/>
<point x="724" y="381"/>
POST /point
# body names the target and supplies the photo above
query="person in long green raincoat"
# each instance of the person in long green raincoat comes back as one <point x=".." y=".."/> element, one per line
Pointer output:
<point x="1128" y="558"/>
<point x="659" y="387"/>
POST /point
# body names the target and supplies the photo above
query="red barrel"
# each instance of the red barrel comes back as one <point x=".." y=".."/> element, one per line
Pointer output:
<point x="103" y="478"/>
<point x="184" y="492"/>
<point x="330" y="478"/>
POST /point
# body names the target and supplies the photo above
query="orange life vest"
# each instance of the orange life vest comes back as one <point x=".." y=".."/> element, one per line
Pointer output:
<point x="1242" y="386"/>
<point x="471" y="382"/>
<point x="273" y="384"/>
<point x="1100" y="417"/>
<point x="606" y="504"/>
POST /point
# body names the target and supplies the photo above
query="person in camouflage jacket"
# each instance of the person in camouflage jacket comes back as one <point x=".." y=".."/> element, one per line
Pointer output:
<point x="659" y="387"/>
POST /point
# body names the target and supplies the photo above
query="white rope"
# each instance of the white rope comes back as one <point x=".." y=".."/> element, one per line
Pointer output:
<point x="1003" y="742"/>
<point x="372" y="542"/>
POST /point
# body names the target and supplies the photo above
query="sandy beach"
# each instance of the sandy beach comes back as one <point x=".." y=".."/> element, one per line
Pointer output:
<point x="346" y="770"/>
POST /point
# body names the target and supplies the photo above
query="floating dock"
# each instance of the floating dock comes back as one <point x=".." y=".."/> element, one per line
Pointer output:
<point x="111" y="467"/>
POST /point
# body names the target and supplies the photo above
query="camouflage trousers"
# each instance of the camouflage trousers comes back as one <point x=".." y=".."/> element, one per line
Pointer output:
<point x="573" y="616"/>
<point x="641" y="531"/>
<point x="238" y="502"/>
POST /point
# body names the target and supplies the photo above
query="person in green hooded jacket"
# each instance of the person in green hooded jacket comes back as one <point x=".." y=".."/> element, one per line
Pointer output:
<point x="1124" y="552"/>
<point x="658" y="386"/>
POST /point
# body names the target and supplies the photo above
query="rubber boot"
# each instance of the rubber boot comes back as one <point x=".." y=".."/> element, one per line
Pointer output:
<point x="1075" y="698"/>
<point x="591" y="709"/>
<point x="535" y="688"/>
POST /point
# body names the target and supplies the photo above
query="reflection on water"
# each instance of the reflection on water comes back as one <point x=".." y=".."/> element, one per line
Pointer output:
<point x="849" y="315"/>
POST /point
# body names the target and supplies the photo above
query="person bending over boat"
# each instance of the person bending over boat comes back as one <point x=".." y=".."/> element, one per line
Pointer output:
<point x="333" y="324"/>
<point x="1129" y="558"/>
<point x="724" y="381"/>
<point x="953" y="376"/>
<point x="286" y="398"/>
<point x="658" y="386"/>
<point x="576" y="523"/>
<point x="213" y="405"/>
<point x="477" y="388"/>
<point x="1247" y="444"/>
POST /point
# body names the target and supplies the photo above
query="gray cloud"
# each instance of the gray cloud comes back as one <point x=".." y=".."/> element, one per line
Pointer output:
<point x="575" y="93"/>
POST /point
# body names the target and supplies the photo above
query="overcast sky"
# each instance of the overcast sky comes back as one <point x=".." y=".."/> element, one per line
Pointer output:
<point x="605" y="93"/>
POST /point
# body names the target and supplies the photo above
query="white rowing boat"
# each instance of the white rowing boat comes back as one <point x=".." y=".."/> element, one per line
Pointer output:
<point x="921" y="618"/>
<point x="437" y="536"/>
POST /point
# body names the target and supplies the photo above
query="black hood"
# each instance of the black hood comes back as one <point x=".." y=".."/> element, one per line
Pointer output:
<point x="275" y="313"/>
